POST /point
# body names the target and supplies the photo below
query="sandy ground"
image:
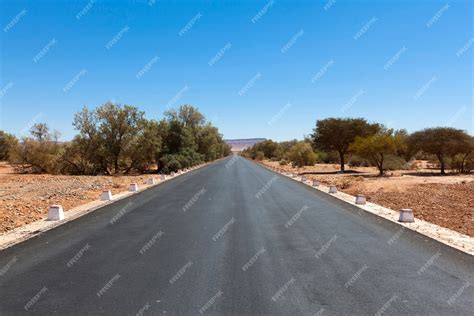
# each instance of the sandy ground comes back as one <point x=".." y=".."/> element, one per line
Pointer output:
<point x="446" y="201"/>
<point x="25" y="198"/>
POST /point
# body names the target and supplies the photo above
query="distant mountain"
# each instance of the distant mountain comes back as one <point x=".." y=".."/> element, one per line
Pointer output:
<point x="241" y="144"/>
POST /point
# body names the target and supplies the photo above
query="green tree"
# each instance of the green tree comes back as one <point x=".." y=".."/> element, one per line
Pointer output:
<point x="338" y="133"/>
<point x="302" y="154"/>
<point x="8" y="143"/>
<point x="118" y="126"/>
<point x="443" y="142"/>
<point x="375" y="148"/>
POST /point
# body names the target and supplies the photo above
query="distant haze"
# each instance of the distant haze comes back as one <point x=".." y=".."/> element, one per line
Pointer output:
<point x="241" y="144"/>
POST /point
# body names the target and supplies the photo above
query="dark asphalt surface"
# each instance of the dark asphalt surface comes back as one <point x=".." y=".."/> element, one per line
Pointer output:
<point x="247" y="242"/>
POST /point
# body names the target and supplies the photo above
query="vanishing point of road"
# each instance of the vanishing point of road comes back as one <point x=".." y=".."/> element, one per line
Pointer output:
<point x="233" y="238"/>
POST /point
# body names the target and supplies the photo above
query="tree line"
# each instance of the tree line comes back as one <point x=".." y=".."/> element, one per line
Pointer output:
<point x="338" y="140"/>
<point x="118" y="139"/>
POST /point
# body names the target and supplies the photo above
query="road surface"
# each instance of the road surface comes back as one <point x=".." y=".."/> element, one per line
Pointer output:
<point x="233" y="238"/>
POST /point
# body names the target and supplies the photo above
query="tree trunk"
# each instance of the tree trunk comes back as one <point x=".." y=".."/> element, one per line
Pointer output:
<point x="441" y="163"/>
<point x="341" y="158"/>
<point x="380" y="165"/>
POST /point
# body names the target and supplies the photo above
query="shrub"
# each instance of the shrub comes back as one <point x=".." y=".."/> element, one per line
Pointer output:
<point x="283" y="162"/>
<point x="302" y="154"/>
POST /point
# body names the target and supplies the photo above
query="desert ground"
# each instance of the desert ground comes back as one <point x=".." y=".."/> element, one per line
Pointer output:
<point x="24" y="198"/>
<point x="446" y="201"/>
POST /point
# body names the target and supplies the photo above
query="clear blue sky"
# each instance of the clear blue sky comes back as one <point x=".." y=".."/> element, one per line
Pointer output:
<point x="407" y="64"/>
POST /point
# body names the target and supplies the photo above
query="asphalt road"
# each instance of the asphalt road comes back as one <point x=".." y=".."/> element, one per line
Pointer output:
<point x="233" y="238"/>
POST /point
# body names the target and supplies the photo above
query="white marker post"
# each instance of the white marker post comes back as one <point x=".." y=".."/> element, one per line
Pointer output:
<point x="360" y="199"/>
<point x="315" y="183"/>
<point x="406" y="215"/>
<point x="150" y="181"/>
<point x="55" y="213"/>
<point x="106" y="196"/>
<point x="133" y="187"/>
<point x="332" y="189"/>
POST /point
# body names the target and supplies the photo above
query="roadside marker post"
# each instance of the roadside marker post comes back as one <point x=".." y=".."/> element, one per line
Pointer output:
<point x="106" y="196"/>
<point x="133" y="187"/>
<point x="315" y="183"/>
<point x="360" y="199"/>
<point x="406" y="215"/>
<point x="162" y="177"/>
<point x="151" y="181"/>
<point x="332" y="189"/>
<point x="55" y="213"/>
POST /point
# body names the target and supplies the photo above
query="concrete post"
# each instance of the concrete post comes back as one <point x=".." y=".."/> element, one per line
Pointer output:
<point x="162" y="177"/>
<point x="55" y="213"/>
<point x="332" y="189"/>
<point x="360" y="199"/>
<point x="406" y="215"/>
<point x="106" y="196"/>
<point x="150" y="181"/>
<point x="133" y="187"/>
<point x="315" y="183"/>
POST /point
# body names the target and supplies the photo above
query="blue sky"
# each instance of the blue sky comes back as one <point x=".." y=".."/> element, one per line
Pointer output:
<point x="282" y="66"/>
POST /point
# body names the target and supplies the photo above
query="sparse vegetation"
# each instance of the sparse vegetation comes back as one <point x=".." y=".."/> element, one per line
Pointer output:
<point x="115" y="139"/>
<point x="337" y="140"/>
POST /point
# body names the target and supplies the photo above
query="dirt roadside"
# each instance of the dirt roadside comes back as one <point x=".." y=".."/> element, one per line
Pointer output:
<point x="447" y="201"/>
<point x="25" y="198"/>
